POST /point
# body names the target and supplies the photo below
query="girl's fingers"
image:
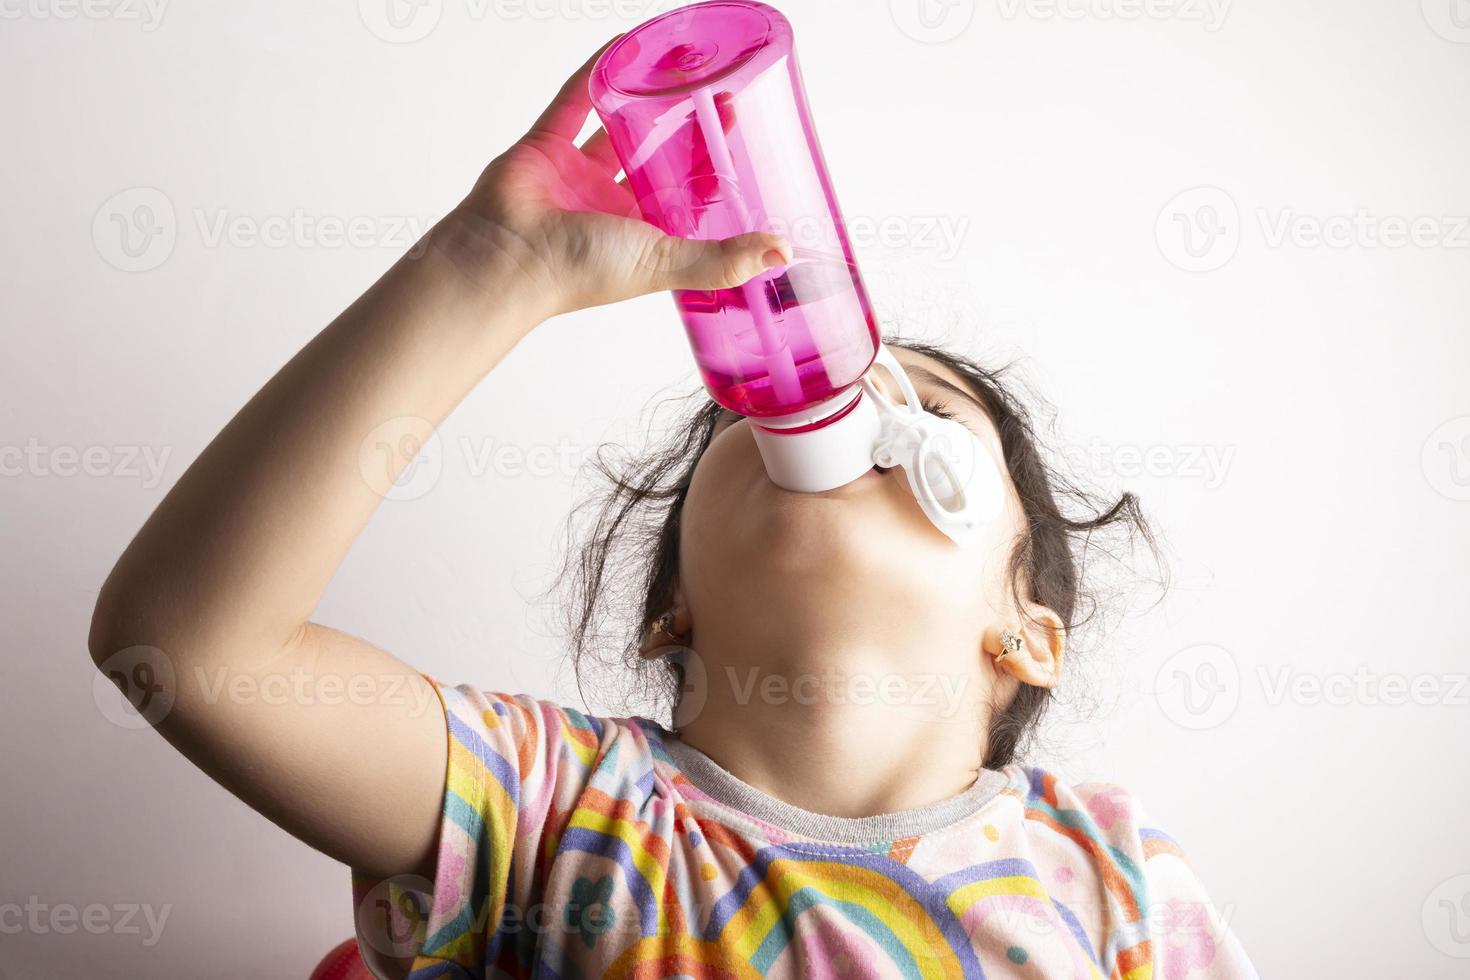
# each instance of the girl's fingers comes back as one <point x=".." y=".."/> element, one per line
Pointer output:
<point x="568" y="111"/>
<point x="599" y="150"/>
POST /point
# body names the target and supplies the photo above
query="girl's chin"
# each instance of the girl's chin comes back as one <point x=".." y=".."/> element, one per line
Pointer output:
<point x="869" y="482"/>
<point x="834" y="537"/>
<point x="873" y="505"/>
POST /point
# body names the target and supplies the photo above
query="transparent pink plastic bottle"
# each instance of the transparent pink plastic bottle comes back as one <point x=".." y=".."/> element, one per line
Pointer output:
<point x="708" y="114"/>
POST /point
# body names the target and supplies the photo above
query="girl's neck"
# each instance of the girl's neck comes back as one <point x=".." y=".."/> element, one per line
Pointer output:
<point x="878" y="734"/>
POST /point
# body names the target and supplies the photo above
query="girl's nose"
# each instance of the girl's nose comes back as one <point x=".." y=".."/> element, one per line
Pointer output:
<point x="884" y="381"/>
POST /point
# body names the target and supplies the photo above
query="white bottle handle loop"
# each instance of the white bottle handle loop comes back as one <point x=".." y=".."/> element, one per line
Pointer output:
<point x="949" y="471"/>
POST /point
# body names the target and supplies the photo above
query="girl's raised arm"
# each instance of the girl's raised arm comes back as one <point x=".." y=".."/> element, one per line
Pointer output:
<point x="209" y="608"/>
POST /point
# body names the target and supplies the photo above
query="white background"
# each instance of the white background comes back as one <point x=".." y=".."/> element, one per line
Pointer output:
<point x="1325" y="544"/>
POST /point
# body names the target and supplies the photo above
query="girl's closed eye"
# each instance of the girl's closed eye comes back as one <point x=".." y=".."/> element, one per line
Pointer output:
<point x="933" y="408"/>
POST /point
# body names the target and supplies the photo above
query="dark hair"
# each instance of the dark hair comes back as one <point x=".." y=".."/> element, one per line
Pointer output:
<point x="624" y="569"/>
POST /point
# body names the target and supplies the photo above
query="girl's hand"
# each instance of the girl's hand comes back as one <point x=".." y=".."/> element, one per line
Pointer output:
<point x="574" y="230"/>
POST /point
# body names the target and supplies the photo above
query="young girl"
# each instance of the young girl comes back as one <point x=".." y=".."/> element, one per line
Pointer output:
<point x="838" y="793"/>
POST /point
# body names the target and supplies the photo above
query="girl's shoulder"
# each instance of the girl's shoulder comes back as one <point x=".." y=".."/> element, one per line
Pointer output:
<point x="1091" y="810"/>
<point x="1125" y="882"/>
<point x="543" y="734"/>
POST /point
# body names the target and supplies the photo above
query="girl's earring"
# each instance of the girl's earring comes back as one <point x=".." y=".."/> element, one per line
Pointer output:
<point x="1010" y="643"/>
<point x="661" y="640"/>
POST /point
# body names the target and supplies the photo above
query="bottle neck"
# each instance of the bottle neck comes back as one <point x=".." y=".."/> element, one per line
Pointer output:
<point x="826" y="447"/>
<point x="819" y="416"/>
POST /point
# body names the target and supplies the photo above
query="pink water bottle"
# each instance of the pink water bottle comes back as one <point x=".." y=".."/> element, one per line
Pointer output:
<point x="708" y="115"/>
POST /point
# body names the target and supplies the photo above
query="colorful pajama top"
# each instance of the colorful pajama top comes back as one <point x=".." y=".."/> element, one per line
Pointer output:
<point x="575" y="847"/>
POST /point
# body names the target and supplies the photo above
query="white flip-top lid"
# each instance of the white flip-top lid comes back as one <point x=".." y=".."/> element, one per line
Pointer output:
<point x="949" y="470"/>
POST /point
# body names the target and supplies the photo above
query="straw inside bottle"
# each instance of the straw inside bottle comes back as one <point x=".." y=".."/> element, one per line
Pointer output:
<point x="780" y="363"/>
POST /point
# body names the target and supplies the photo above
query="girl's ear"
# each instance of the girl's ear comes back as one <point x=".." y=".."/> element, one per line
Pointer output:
<point x="1038" y="662"/>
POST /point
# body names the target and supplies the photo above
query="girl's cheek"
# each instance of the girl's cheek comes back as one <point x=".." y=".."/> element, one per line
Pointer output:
<point x="995" y="557"/>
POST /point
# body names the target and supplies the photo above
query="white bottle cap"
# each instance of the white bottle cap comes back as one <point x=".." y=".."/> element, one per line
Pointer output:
<point x="804" y="454"/>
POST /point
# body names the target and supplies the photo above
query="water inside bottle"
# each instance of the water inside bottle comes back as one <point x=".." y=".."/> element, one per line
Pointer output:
<point x="784" y="341"/>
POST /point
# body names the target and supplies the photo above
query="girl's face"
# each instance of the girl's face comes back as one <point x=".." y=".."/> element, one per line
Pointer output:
<point x="752" y="549"/>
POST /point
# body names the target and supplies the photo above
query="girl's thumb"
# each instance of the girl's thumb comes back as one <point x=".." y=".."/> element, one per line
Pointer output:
<point x="683" y="263"/>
